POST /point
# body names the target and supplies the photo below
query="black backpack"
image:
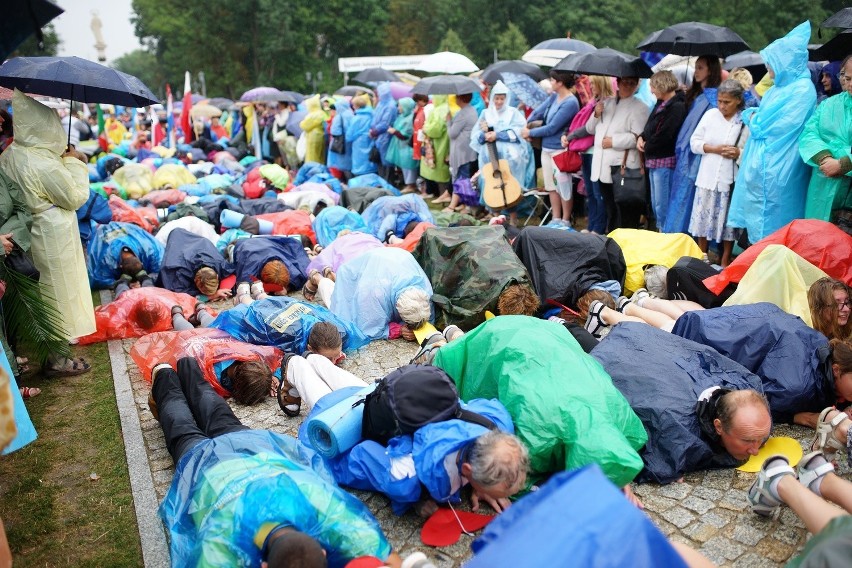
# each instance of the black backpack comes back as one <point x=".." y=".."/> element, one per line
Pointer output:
<point x="411" y="397"/>
<point x="684" y="281"/>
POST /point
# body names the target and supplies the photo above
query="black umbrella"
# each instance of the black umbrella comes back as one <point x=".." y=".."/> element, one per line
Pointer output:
<point x="747" y="60"/>
<point x="375" y="75"/>
<point x="292" y="97"/>
<point x="834" y="49"/>
<point x="352" y="91"/>
<point x="446" y="85"/>
<point x="23" y="18"/>
<point x="694" y="38"/>
<point x="605" y="61"/>
<point x="494" y="72"/>
<point x="75" y="79"/>
<point x="842" y="19"/>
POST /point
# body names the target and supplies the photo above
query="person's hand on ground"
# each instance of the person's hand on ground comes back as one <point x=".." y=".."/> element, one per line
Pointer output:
<point x="498" y="505"/>
<point x="6" y="240"/>
<point x="221" y="294"/>
<point x="628" y="493"/>
<point x="406" y="333"/>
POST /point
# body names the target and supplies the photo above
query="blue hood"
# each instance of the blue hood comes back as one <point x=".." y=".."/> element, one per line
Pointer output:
<point x="788" y="56"/>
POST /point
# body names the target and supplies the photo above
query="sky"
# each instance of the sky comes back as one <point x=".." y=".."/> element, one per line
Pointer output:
<point x="75" y="32"/>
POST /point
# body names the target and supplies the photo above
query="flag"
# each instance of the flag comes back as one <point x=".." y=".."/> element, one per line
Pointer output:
<point x="170" y="116"/>
<point x="102" y="137"/>
<point x="185" y="122"/>
<point x="156" y="140"/>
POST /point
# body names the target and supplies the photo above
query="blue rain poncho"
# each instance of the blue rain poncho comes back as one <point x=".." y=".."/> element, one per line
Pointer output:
<point x="342" y="116"/>
<point x="577" y="518"/>
<point x="791" y="359"/>
<point x="105" y="252"/>
<point x="267" y="478"/>
<point x="383" y="118"/>
<point x="686" y="170"/>
<point x="185" y="254"/>
<point x="283" y="322"/>
<point x="370" y="466"/>
<point x="507" y="123"/>
<point x="358" y="134"/>
<point x="332" y="220"/>
<point x="390" y="213"/>
<point x="772" y="182"/>
<point x="251" y="254"/>
<point x="368" y="286"/>
<point x="372" y="180"/>
<point x="400" y="153"/>
<point x="828" y="132"/>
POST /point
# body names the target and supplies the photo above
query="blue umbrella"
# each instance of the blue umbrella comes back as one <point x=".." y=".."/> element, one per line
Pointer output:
<point x="75" y="79"/>
<point x="21" y="19"/>
<point x="525" y="88"/>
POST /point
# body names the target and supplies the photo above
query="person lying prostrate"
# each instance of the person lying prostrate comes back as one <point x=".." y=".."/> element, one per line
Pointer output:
<point x="122" y="251"/>
<point x="233" y="368"/>
<point x="701" y="410"/>
<point x="440" y="457"/>
<point x="279" y="262"/>
<point x="146" y="309"/>
<point x="390" y="215"/>
<point x="193" y="265"/>
<point x="376" y="291"/>
<point x="281" y="509"/>
<point x="346" y="246"/>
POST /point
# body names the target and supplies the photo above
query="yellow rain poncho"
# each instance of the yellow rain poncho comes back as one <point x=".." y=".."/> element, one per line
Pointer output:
<point x="313" y="125"/>
<point x="781" y="277"/>
<point x="54" y="188"/>
<point x="647" y="247"/>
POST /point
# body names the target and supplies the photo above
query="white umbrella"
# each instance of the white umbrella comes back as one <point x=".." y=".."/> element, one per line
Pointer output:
<point x="447" y="62"/>
<point x="545" y="57"/>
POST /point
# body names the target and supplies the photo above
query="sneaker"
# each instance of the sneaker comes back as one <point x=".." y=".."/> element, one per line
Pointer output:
<point x="452" y="332"/>
<point x="594" y="323"/>
<point x="388" y="235"/>
<point x="811" y="469"/>
<point x="243" y="288"/>
<point x="763" y="494"/>
<point x="622" y="301"/>
<point x="256" y="288"/>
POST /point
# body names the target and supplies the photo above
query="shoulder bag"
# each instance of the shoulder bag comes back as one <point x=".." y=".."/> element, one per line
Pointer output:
<point x="628" y="184"/>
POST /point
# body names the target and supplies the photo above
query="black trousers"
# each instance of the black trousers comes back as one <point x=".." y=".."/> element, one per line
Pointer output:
<point x="190" y="410"/>
<point x="626" y="216"/>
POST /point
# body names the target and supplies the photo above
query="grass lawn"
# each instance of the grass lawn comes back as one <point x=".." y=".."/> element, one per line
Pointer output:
<point x="55" y="510"/>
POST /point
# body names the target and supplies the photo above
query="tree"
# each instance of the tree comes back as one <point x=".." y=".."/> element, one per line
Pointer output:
<point x="452" y="42"/>
<point x="30" y="45"/>
<point x="511" y="44"/>
<point x="143" y="65"/>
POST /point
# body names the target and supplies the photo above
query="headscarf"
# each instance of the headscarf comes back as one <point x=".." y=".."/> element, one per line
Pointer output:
<point x="407" y="104"/>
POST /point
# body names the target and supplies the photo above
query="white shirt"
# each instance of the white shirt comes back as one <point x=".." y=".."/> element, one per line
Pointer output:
<point x="716" y="172"/>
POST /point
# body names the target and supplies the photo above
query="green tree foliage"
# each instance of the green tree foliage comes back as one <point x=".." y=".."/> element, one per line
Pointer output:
<point x="143" y="64"/>
<point x="511" y="44"/>
<point x="452" y="42"/>
<point x="30" y="45"/>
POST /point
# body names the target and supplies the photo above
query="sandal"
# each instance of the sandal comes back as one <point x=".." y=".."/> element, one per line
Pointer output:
<point x="288" y="396"/>
<point x="29" y="392"/>
<point x="764" y="500"/>
<point x="309" y="290"/>
<point x="176" y="309"/>
<point x="824" y="440"/>
<point x="69" y="368"/>
<point x="594" y="323"/>
<point x="448" y="210"/>
<point x="622" y="302"/>
<point x="327" y="272"/>
<point x="811" y="469"/>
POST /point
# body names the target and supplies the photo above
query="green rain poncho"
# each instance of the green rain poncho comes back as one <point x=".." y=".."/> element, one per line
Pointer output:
<point x="313" y="126"/>
<point x="828" y="132"/>
<point x="434" y="166"/>
<point x="400" y="153"/>
<point x="564" y="405"/>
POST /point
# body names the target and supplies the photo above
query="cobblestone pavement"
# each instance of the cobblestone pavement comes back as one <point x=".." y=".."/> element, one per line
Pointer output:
<point x="707" y="511"/>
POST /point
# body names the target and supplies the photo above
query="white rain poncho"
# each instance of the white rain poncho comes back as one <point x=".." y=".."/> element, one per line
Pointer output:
<point x="54" y="188"/>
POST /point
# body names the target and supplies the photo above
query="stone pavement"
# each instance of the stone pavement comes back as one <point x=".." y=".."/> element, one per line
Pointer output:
<point x="707" y="511"/>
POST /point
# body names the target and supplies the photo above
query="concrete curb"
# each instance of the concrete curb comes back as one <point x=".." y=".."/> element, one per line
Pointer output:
<point x="155" y="552"/>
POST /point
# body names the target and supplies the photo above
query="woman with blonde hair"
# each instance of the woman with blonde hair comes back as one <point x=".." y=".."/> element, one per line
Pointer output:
<point x="830" y="308"/>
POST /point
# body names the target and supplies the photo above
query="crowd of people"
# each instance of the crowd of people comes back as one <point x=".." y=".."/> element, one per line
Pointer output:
<point x="254" y="253"/>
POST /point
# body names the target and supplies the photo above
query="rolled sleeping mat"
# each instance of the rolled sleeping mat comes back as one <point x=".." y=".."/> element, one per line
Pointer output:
<point x="230" y="219"/>
<point x="265" y="227"/>
<point x="338" y="428"/>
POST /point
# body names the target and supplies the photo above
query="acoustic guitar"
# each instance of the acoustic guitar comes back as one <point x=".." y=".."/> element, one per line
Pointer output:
<point x="500" y="189"/>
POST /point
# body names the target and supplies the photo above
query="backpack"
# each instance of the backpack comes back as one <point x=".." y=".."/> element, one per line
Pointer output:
<point x="684" y="281"/>
<point x="410" y="398"/>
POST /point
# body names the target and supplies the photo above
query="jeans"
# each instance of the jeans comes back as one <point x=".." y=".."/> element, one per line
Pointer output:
<point x="594" y="199"/>
<point x="190" y="410"/>
<point x="660" y="179"/>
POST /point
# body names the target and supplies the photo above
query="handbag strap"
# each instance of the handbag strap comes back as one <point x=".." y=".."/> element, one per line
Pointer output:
<point x="641" y="162"/>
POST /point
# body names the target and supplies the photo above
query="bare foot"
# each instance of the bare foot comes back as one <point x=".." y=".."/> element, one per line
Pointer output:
<point x="425" y="508"/>
<point x="628" y="493"/>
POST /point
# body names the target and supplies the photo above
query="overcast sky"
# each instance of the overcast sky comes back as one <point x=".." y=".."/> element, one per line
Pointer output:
<point x="75" y="32"/>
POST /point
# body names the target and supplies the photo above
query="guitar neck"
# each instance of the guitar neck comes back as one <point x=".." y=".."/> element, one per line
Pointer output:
<point x="492" y="153"/>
